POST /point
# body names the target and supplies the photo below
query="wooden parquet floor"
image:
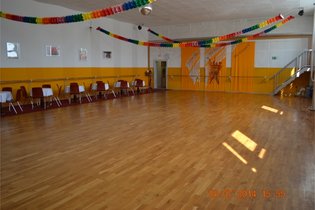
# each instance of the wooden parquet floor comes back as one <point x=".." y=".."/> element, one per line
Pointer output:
<point x="165" y="150"/>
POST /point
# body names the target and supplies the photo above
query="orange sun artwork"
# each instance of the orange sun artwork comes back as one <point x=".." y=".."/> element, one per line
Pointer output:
<point x="214" y="70"/>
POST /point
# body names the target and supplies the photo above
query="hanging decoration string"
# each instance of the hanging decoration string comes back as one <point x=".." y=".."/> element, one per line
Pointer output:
<point x="225" y="37"/>
<point x="162" y="37"/>
<point x="252" y="37"/>
<point x="79" y="17"/>
<point x="195" y="44"/>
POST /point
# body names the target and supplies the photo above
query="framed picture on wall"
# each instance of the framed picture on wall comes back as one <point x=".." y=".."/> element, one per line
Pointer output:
<point x="52" y="50"/>
<point x="107" y="54"/>
<point x="13" y="50"/>
<point x="83" y="54"/>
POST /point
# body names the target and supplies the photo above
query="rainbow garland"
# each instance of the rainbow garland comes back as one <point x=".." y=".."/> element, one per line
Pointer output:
<point x="162" y="37"/>
<point x="79" y="17"/>
<point x="251" y="37"/>
<point x="195" y="44"/>
<point x="225" y="37"/>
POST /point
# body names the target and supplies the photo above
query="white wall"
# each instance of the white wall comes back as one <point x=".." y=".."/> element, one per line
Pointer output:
<point x="171" y="55"/>
<point x="70" y="37"/>
<point x="283" y="50"/>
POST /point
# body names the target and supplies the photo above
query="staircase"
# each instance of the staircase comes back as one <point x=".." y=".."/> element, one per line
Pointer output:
<point x="291" y="71"/>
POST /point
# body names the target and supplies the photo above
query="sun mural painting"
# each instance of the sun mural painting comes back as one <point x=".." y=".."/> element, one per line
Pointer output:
<point x="214" y="71"/>
<point x="193" y="66"/>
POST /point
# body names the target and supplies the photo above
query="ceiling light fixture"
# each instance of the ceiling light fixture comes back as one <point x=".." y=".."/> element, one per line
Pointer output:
<point x="140" y="27"/>
<point x="301" y="11"/>
<point x="146" y="10"/>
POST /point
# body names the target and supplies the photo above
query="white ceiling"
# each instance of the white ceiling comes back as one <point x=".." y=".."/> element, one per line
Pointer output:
<point x="173" y="12"/>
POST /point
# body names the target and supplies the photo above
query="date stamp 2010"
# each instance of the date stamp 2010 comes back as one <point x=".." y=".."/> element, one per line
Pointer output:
<point x="246" y="194"/>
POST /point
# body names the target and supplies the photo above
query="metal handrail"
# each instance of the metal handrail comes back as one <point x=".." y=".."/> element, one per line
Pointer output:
<point x="290" y="79"/>
<point x="65" y="79"/>
<point x="299" y="62"/>
<point x="189" y="76"/>
<point x="293" y="60"/>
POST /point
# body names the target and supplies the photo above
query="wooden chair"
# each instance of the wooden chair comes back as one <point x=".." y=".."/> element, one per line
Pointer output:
<point x="18" y="98"/>
<point x="124" y="87"/>
<point x="46" y="86"/>
<point x="75" y="92"/>
<point x="24" y="92"/>
<point x="100" y="88"/>
<point x="139" y="85"/>
<point x="7" y="89"/>
<point x="37" y="94"/>
<point x="25" y="98"/>
<point x="52" y="97"/>
<point x="60" y="93"/>
<point x="88" y="92"/>
<point x="11" y="105"/>
<point x="108" y="90"/>
<point x="105" y="88"/>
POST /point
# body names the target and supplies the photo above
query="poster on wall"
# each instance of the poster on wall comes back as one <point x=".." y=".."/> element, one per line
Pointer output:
<point x="52" y="50"/>
<point x="83" y="54"/>
<point x="190" y="61"/>
<point x="13" y="50"/>
<point x="216" y="75"/>
<point x="107" y="54"/>
<point x="213" y="64"/>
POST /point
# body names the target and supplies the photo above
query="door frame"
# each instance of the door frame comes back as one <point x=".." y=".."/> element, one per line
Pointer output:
<point x="155" y="72"/>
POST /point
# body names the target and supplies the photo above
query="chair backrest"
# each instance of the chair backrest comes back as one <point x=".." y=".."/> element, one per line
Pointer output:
<point x="18" y="95"/>
<point x="123" y="84"/>
<point x="100" y="86"/>
<point x="139" y="83"/>
<point x="46" y="86"/>
<point x="117" y="84"/>
<point x="106" y="86"/>
<point x="37" y="92"/>
<point x="24" y="92"/>
<point x="74" y="88"/>
<point x="59" y="90"/>
<point x="7" y="89"/>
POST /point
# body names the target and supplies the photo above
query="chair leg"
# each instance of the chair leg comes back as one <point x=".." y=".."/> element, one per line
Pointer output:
<point x="114" y="93"/>
<point x="133" y="91"/>
<point x="57" y="102"/>
<point x="19" y="106"/>
<point x="44" y="101"/>
<point x="11" y="104"/>
<point x="88" y="97"/>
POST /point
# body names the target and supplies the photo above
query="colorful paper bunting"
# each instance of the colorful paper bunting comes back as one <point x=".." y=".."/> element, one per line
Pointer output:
<point x="197" y="43"/>
<point x="161" y="36"/>
<point x="79" y="17"/>
<point x="224" y="37"/>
